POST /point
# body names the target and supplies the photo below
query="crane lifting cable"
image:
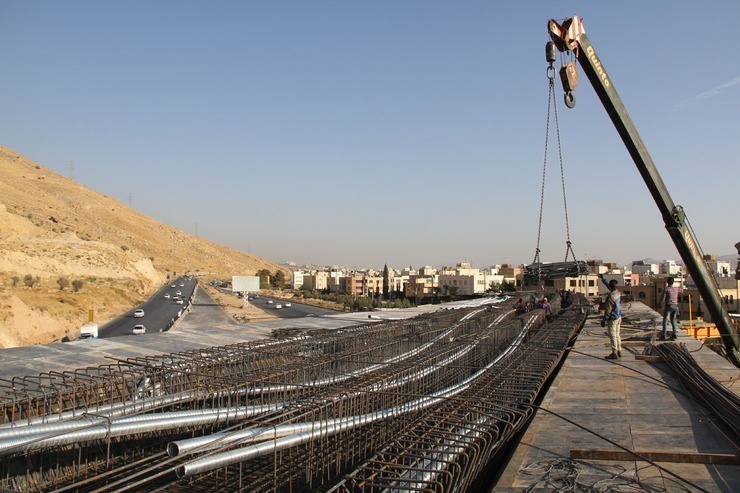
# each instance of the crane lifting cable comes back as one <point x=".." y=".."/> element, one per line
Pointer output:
<point x="538" y="271"/>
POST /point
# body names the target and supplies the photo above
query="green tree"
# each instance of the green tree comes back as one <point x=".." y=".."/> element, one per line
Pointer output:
<point x="494" y="287"/>
<point x="508" y="287"/>
<point x="15" y="280"/>
<point x="30" y="280"/>
<point x="279" y="279"/>
<point x="76" y="285"/>
<point x="386" y="282"/>
<point x="63" y="282"/>
<point x="264" y="276"/>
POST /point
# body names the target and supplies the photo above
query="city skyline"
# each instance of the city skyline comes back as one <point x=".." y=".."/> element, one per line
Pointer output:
<point x="366" y="134"/>
<point x="732" y="259"/>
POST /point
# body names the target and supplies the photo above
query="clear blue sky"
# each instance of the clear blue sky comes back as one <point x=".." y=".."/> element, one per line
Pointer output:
<point x="364" y="133"/>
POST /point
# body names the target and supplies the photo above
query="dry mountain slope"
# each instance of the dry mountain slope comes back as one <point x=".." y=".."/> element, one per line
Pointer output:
<point x="52" y="227"/>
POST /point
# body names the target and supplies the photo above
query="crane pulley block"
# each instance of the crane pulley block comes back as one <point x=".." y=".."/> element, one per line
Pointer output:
<point x="569" y="77"/>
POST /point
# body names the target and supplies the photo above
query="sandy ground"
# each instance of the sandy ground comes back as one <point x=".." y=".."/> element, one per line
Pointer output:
<point x="54" y="229"/>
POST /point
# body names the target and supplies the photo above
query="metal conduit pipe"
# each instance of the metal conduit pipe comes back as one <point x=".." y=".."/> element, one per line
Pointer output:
<point x="292" y="435"/>
<point x="428" y="467"/>
<point x="92" y="419"/>
<point x="325" y="427"/>
<point x="141" y="389"/>
<point x="342" y="378"/>
<point x="420" y="476"/>
<point x="125" y="408"/>
<point x="423" y="471"/>
<point x="222" y="438"/>
<point x="209" y="442"/>
<point x="49" y="434"/>
<point x="286" y="440"/>
<point x="368" y="369"/>
<point x="430" y="369"/>
<point x="99" y="431"/>
<point x="109" y="410"/>
<point x="446" y="451"/>
<point x="288" y="361"/>
<point x="43" y="435"/>
<point x="217" y="440"/>
<point x="427" y="370"/>
<point x="419" y="350"/>
<point x="402" y="466"/>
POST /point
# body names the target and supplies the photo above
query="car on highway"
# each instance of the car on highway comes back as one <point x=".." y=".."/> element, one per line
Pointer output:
<point x="269" y="302"/>
<point x="138" y="313"/>
<point x="139" y="329"/>
<point x="278" y="306"/>
<point x="173" y="286"/>
<point x="182" y="285"/>
<point x="178" y="293"/>
<point x="179" y="301"/>
<point x="287" y="305"/>
<point x="167" y="296"/>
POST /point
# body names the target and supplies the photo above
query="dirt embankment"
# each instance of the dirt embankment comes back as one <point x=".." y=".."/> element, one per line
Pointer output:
<point x="66" y="250"/>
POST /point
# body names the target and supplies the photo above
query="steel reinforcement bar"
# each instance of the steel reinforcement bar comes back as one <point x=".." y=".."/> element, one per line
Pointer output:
<point x="421" y="403"/>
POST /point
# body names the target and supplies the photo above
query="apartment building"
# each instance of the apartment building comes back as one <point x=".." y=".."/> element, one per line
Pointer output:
<point x="317" y="281"/>
<point x="511" y="274"/>
<point x="352" y="284"/>
<point x="419" y="287"/>
<point x="373" y="286"/>
<point x="719" y="268"/>
<point x="464" y="280"/>
<point x="588" y="285"/>
<point x="646" y="269"/>
<point x="296" y="279"/>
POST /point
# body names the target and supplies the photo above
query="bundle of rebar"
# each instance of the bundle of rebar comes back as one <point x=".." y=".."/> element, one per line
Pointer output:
<point x="538" y="272"/>
<point x="724" y="403"/>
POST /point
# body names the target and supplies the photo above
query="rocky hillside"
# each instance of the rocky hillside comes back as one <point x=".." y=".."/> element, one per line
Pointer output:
<point x="66" y="249"/>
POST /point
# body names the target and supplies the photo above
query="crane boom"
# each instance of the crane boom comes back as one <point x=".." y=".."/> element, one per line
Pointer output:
<point x="570" y="36"/>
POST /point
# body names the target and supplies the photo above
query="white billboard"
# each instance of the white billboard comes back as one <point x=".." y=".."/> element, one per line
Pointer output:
<point x="245" y="284"/>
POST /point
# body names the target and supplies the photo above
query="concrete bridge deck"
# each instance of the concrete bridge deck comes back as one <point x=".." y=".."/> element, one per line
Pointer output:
<point x="638" y="404"/>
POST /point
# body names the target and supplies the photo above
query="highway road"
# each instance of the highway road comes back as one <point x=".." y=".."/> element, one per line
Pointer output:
<point x="159" y="313"/>
<point x="296" y="310"/>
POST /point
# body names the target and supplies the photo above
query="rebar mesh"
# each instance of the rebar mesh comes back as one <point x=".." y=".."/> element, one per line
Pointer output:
<point x="419" y="404"/>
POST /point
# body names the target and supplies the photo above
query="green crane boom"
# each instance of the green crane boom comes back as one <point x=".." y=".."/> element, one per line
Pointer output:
<point x="571" y="37"/>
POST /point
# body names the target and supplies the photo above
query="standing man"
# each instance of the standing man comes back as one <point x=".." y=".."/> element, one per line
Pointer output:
<point x="613" y="317"/>
<point x="669" y="302"/>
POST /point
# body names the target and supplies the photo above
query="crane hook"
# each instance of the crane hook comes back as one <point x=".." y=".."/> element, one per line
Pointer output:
<point x="570" y="99"/>
<point x="569" y="79"/>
